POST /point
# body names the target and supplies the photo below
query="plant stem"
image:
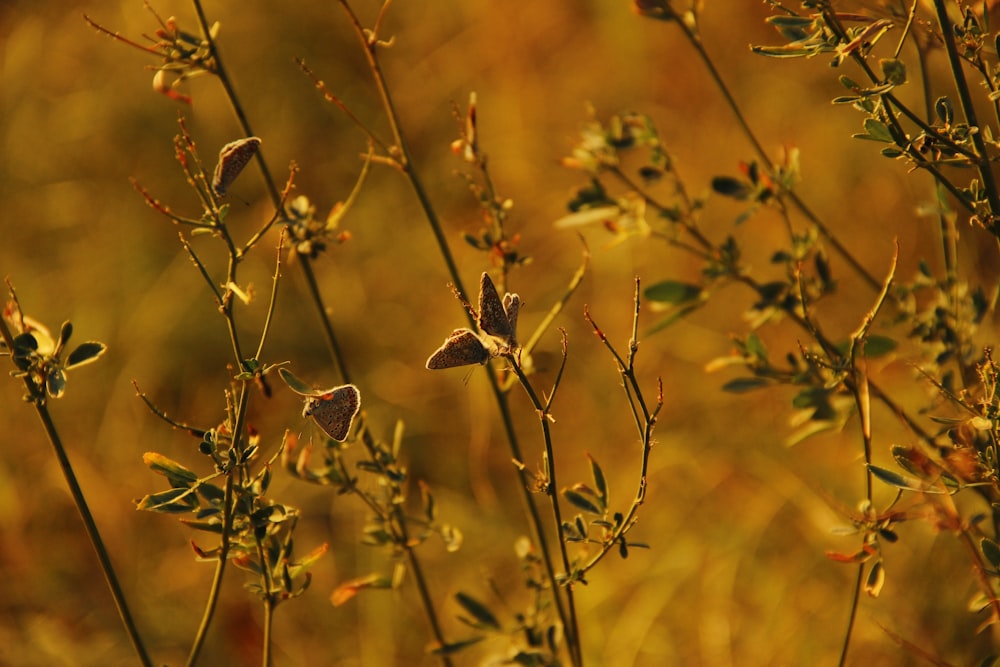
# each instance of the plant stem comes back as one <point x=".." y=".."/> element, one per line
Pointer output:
<point x="329" y="335"/>
<point x="38" y="399"/>
<point x="551" y="490"/>
<point x="856" y="599"/>
<point x="983" y="163"/>
<point x="241" y="116"/>
<point x="92" y="531"/>
<point x="268" y="625"/>
<point x="220" y="568"/>
<point x="825" y="231"/>
<point x="644" y="422"/>
<point x="404" y="160"/>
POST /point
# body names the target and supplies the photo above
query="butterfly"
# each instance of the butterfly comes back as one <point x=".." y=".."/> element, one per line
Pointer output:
<point x="233" y="157"/>
<point x="496" y="319"/>
<point x="333" y="410"/>
<point x="461" y="348"/>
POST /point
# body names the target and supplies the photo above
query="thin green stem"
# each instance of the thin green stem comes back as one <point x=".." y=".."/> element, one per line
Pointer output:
<point x="551" y="490"/>
<point x="852" y="616"/>
<point x="369" y="43"/>
<point x="329" y="334"/>
<point x="266" y="659"/>
<point x="38" y="399"/>
<point x="645" y="421"/>
<point x="220" y="567"/>
<point x="423" y="589"/>
<point x="220" y="71"/>
<point x="983" y="163"/>
<point x="272" y="302"/>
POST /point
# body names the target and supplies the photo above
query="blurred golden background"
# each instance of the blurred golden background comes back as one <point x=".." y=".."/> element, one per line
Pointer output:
<point x="738" y="522"/>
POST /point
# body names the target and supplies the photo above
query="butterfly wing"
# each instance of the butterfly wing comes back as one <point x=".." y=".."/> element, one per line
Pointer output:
<point x="334" y="411"/>
<point x="462" y="348"/>
<point x="512" y="306"/>
<point x="233" y="157"/>
<point x="492" y="316"/>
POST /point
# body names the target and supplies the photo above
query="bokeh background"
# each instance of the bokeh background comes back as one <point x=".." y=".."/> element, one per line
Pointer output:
<point x="738" y="522"/>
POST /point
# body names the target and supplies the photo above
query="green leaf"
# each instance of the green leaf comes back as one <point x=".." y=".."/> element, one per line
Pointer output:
<point x="894" y="71"/>
<point x="991" y="550"/>
<point x="171" y="501"/>
<point x="599" y="480"/>
<point x="85" y="353"/>
<point x="876" y="579"/>
<point x="879" y="346"/>
<point x="297" y="385"/>
<point x="211" y="493"/>
<point x="755" y="346"/>
<point x="742" y="385"/>
<point x="672" y="291"/>
<point x="454" y="647"/>
<point x="901" y="481"/>
<point x="731" y="187"/>
<point x="55" y="383"/>
<point x="214" y="527"/>
<point x="25" y="345"/>
<point x="178" y="475"/>
<point x="876" y="130"/>
<point x="483" y="616"/>
<point x="581" y="501"/>
<point x="848" y="82"/>
<point x="64" y="334"/>
<point x="945" y="112"/>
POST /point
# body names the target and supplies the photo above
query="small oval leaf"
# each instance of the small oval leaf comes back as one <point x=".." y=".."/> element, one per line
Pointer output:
<point x="580" y="501"/>
<point x="600" y="482"/>
<point x="178" y="475"/>
<point x="875" y="580"/>
<point x="171" y="501"/>
<point x="879" y="346"/>
<point x="479" y="611"/>
<point x="731" y="187"/>
<point x="85" y="353"/>
<point x="741" y="385"/>
<point x="672" y="291"/>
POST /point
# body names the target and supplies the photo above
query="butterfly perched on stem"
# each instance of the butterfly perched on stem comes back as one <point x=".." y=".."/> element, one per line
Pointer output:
<point x="333" y="410"/>
<point x="233" y="157"/>
<point x="497" y="322"/>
